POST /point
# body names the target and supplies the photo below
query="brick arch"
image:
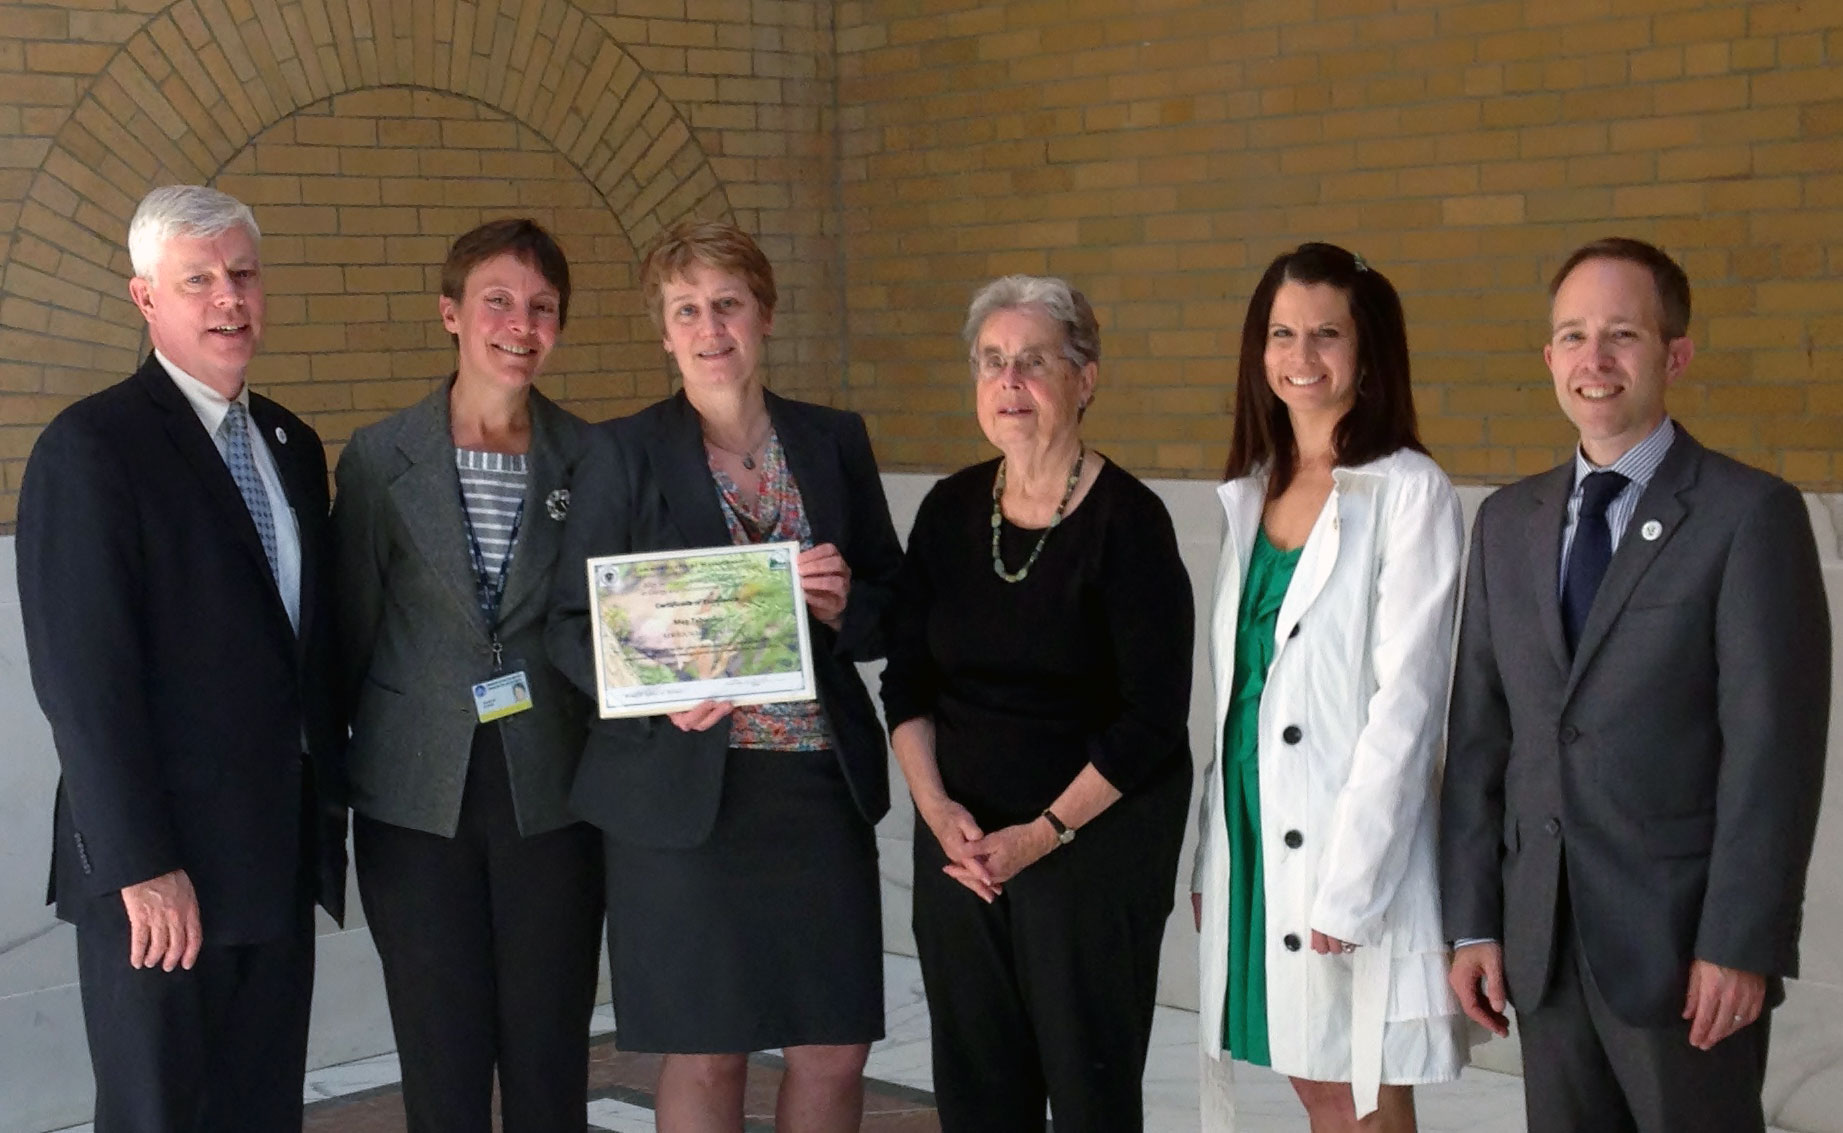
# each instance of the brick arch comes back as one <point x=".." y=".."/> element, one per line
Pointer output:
<point x="191" y="89"/>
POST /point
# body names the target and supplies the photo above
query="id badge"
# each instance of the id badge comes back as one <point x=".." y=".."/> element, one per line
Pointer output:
<point x="502" y="696"/>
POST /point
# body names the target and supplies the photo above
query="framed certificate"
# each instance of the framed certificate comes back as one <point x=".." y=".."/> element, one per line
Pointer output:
<point x="678" y="627"/>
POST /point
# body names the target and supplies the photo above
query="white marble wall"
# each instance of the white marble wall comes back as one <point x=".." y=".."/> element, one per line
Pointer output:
<point x="44" y="1073"/>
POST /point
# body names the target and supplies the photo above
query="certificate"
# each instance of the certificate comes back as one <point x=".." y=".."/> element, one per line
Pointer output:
<point x="677" y="627"/>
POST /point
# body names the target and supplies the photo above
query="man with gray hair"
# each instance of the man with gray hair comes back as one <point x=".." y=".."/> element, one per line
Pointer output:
<point x="171" y="543"/>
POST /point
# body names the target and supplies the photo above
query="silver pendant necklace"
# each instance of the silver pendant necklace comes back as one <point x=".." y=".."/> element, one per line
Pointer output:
<point x="747" y="457"/>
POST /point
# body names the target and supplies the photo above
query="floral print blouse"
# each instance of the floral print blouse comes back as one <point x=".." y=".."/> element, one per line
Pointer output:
<point x="779" y="515"/>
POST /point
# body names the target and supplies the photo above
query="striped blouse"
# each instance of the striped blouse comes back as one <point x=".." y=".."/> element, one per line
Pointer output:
<point x="492" y="488"/>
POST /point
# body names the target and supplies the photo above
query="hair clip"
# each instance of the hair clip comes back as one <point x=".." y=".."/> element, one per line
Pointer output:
<point x="1358" y="260"/>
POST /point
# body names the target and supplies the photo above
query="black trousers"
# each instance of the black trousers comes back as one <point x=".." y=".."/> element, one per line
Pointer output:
<point x="218" y="1049"/>
<point x="489" y="942"/>
<point x="1585" y="1070"/>
<point x="1047" y="993"/>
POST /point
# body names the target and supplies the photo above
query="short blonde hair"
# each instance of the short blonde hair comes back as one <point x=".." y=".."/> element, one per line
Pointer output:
<point x="714" y="244"/>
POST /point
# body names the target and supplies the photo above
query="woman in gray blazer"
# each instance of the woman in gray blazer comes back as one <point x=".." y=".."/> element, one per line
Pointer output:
<point x="483" y="895"/>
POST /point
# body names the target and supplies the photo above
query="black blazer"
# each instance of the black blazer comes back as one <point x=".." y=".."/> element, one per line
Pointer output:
<point x="644" y="485"/>
<point x="1672" y="767"/>
<point x="178" y="693"/>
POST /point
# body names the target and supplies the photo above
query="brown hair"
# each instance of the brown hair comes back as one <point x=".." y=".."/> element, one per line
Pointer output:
<point x="714" y="244"/>
<point x="1668" y="276"/>
<point x="1382" y="420"/>
<point x="519" y="236"/>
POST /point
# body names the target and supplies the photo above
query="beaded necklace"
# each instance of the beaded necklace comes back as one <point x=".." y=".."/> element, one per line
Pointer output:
<point x="998" y="518"/>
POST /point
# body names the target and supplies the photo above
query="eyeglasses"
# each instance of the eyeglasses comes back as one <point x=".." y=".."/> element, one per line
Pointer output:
<point x="1032" y="364"/>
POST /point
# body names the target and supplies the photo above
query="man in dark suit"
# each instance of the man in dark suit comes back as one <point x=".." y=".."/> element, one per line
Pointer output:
<point x="171" y="537"/>
<point x="1637" y="737"/>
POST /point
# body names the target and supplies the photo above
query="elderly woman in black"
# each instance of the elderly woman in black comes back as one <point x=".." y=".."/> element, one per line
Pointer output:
<point x="1037" y="692"/>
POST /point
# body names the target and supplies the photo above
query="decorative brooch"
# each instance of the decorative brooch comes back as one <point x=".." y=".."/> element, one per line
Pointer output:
<point x="558" y="504"/>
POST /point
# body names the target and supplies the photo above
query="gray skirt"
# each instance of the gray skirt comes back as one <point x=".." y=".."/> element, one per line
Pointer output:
<point x="767" y="935"/>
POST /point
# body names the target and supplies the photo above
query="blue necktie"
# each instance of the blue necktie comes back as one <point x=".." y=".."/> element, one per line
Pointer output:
<point x="236" y="433"/>
<point x="1592" y="550"/>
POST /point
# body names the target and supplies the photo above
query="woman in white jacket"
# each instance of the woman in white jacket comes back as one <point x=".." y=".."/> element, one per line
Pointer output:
<point x="1317" y="901"/>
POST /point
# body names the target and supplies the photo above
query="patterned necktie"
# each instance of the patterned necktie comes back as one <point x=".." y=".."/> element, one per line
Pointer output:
<point x="236" y="433"/>
<point x="1592" y="550"/>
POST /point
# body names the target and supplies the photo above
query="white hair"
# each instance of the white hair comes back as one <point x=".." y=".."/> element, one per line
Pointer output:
<point x="1062" y="303"/>
<point x="182" y="210"/>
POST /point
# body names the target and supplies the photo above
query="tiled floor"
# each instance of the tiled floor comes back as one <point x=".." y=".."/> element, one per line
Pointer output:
<point x="619" y="1086"/>
<point x="361" y="1097"/>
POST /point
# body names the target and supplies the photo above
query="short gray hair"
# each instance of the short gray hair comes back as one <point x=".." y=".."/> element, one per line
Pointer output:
<point x="1081" y="334"/>
<point x="182" y="210"/>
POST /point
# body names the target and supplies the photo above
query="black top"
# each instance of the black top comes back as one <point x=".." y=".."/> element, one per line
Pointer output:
<point x="1086" y="660"/>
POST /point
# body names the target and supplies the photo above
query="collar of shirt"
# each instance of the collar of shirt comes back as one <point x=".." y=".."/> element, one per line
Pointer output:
<point x="1638" y="464"/>
<point x="209" y="404"/>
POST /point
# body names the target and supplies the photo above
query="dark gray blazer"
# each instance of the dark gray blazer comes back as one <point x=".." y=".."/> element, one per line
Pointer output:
<point x="1674" y="765"/>
<point x="645" y="486"/>
<point x="413" y="638"/>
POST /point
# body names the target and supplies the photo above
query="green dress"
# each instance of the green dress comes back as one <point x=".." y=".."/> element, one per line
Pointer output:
<point x="1244" y="1016"/>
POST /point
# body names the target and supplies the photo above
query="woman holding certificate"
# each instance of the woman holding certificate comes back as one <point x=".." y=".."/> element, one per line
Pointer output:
<point x="1037" y="688"/>
<point x="483" y="892"/>
<point x="742" y="867"/>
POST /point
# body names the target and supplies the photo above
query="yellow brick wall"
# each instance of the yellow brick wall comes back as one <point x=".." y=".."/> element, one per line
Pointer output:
<point x="356" y="196"/>
<point x="1160" y="152"/>
<point x="893" y="154"/>
<point x="366" y="134"/>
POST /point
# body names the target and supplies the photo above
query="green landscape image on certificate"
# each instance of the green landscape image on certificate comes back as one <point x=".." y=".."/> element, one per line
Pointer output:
<point x="699" y="618"/>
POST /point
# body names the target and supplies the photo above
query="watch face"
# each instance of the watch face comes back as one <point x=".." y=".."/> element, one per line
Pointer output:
<point x="1064" y="835"/>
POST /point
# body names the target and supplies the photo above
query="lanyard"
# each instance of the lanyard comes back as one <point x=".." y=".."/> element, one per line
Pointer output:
<point x="489" y="590"/>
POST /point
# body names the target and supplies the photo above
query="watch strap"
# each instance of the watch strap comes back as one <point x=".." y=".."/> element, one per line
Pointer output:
<point x="1064" y="835"/>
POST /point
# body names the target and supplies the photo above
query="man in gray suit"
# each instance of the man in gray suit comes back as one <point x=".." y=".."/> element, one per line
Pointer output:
<point x="1637" y="737"/>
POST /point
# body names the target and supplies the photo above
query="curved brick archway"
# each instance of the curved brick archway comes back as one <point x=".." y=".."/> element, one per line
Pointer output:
<point x="359" y="197"/>
<point x="193" y="88"/>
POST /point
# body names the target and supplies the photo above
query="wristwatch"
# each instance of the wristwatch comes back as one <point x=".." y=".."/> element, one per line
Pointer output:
<point x="1063" y="834"/>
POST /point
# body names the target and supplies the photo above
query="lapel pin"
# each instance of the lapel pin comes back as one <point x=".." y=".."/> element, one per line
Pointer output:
<point x="280" y="437"/>
<point x="557" y="504"/>
<point x="1651" y="530"/>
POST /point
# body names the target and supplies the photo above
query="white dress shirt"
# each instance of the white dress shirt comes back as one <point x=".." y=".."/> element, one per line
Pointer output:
<point x="211" y="407"/>
<point x="1638" y="465"/>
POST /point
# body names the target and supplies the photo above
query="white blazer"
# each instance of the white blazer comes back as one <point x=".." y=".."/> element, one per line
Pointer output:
<point x="1361" y="668"/>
